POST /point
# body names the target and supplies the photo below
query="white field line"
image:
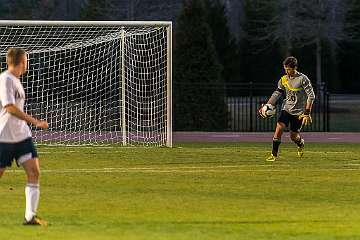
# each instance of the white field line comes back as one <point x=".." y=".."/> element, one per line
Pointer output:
<point x="261" y="150"/>
<point x="225" y="168"/>
<point x="240" y="151"/>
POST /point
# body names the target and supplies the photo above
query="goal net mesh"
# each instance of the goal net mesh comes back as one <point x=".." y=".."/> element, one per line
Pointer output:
<point x="93" y="84"/>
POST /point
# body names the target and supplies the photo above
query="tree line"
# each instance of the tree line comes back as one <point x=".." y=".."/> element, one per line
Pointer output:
<point x="322" y="34"/>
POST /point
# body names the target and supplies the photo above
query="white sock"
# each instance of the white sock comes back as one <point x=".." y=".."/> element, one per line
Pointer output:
<point x="32" y="194"/>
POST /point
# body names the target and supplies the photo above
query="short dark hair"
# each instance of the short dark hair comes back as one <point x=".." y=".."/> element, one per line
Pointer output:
<point x="291" y="62"/>
<point x="14" y="56"/>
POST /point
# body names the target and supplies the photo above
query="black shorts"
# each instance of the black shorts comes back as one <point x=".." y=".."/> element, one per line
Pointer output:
<point x="293" y="120"/>
<point x="21" y="152"/>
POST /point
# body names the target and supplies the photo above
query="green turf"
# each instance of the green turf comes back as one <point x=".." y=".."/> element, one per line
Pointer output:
<point x="193" y="191"/>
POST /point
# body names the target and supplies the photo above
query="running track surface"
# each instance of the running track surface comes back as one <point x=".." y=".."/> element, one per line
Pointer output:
<point x="327" y="137"/>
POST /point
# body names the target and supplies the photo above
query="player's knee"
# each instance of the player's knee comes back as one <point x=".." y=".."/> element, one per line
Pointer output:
<point x="277" y="136"/>
<point x="36" y="173"/>
<point x="2" y="172"/>
<point x="278" y="133"/>
<point x="295" y="137"/>
<point x="32" y="169"/>
<point x="280" y="127"/>
<point x="33" y="174"/>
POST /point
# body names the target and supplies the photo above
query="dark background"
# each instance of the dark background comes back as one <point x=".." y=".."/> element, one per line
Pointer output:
<point x="220" y="45"/>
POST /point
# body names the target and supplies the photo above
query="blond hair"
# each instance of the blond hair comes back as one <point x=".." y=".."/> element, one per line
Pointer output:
<point x="14" y="56"/>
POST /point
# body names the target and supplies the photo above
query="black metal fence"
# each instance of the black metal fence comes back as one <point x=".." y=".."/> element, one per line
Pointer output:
<point x="244" y="99"/>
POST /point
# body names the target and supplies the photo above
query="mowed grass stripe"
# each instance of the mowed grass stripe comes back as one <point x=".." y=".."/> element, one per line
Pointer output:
<point x="189" y="169"/>
<point x="193" y="191"/>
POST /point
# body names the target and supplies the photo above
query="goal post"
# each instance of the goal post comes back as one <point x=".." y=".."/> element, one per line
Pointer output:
<point x="96" y="82"/>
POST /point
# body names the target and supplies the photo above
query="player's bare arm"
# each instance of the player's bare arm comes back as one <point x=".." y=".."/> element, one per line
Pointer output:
<point x="272" y="100"/>
<point x="12" y="109"/>
<point x="308" y="106"/>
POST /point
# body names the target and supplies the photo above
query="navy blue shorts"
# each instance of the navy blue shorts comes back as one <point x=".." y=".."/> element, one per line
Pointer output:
<point x="20" y="151"/>
<point x="293" y="120"/>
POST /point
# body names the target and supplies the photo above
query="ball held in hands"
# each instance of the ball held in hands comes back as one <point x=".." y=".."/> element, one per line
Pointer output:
<point x="267" y="110"/>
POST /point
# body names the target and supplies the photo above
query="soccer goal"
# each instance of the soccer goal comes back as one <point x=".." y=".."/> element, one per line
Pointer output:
<point x="96" y="82"/>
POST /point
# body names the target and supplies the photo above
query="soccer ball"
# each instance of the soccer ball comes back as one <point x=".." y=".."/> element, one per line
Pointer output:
<point x="268" y="110"/>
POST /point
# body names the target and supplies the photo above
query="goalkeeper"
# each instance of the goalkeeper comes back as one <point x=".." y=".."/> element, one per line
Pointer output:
<point x="296" y="109"/>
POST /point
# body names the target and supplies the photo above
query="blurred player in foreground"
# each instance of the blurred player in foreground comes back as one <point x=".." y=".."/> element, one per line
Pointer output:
<point x="15" y="135"/>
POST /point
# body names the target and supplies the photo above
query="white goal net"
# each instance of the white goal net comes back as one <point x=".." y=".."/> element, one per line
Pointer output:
<point x="96" y="82"/>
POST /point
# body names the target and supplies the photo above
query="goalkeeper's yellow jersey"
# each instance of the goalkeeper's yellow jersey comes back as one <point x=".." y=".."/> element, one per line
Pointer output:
<point x="298" y="92"/>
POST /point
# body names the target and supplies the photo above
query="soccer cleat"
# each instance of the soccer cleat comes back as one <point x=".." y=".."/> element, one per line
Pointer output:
<point x="272" y="158"/>
<point x="36" y="221"/>
<point x="301" y="148"/>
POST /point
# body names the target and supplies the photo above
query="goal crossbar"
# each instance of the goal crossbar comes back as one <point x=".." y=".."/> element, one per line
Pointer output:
<point x="85" y="23"/>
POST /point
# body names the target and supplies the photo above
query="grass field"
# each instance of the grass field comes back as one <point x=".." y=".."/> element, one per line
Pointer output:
<point x="193" y="191"/>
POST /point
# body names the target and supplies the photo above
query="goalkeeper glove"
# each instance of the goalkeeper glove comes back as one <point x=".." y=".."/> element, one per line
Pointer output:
<point x="306" y="118"/>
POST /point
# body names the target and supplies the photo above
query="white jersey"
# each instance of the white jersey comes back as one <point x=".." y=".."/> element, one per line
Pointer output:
<point x="12" y="129"/>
